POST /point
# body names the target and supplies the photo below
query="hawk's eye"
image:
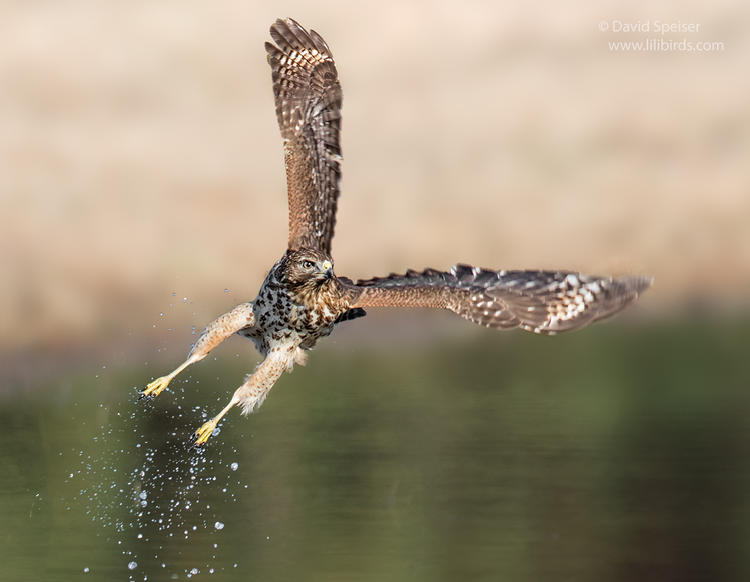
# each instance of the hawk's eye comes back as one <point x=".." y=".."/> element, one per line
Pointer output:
<point x="308" y="265"/>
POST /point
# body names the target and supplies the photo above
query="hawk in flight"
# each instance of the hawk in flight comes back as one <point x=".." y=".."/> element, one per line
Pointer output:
<point x="302" y="300"/>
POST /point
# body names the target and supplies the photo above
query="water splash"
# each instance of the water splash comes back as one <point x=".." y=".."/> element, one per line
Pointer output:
<point x="160" y="502"/>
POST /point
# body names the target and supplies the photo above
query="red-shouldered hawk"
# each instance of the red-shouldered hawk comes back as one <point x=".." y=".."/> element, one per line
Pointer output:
<point x="301" y="299"/>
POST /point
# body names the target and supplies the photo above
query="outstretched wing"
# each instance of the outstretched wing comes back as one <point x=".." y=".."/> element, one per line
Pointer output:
<point x="308" y="108"/>
<point x="539" y="301"/>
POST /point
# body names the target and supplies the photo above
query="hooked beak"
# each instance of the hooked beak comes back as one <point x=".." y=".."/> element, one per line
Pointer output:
<point x="326" y="269"/>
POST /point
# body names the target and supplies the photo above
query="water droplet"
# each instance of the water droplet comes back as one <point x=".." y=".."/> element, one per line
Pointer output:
<point x="219" y="525"/>
<point x="143" y="495"/>
<point x="86" y="570"/>
<point x="234" y="466"/>
<point x="132" y="565"/>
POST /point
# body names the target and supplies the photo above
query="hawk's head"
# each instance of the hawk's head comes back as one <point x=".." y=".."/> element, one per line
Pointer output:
<point x="305" y="270"/>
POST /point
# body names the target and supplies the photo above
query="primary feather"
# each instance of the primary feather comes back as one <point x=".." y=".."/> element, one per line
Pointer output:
<point x="308" y="108"/>
<point x="538" y="301"/>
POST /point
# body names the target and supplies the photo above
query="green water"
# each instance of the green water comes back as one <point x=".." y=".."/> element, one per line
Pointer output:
<point x="611" y="454"/>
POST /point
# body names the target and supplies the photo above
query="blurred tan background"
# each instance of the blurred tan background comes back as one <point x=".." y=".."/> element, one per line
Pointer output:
<point x="142" y="170"/>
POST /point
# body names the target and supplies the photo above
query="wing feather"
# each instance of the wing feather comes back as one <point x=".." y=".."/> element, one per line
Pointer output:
<point x="540" y="301"/>
<point x="308" y="108"/>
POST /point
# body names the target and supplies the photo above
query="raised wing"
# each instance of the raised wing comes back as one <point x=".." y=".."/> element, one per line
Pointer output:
<point x="540" y="301"/>
<point x="308" y="108"/>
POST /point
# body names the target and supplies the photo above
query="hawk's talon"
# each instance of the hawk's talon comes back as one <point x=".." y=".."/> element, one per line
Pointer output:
<point x="156" y="387"/>
<point x="201" y="435"/>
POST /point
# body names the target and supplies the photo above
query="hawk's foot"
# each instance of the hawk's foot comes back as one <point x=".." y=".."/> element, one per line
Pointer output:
<point x="156" y="387"/>
<point x="201" y="435"/>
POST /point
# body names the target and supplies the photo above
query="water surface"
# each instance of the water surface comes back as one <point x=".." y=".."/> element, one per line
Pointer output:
<point x="612" y="454"/>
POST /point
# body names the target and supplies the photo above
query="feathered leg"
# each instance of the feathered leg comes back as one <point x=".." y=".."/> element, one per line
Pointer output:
<point x="216" y="332"/>
<point x="251" y="394"/>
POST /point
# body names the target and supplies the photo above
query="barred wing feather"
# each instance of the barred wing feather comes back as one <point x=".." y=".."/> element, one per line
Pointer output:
<point x="540" y="301"/>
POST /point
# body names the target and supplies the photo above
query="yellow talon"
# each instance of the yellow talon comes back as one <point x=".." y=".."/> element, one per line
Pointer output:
<point x="201" y="435"/>
<point x="155" y="388"/>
